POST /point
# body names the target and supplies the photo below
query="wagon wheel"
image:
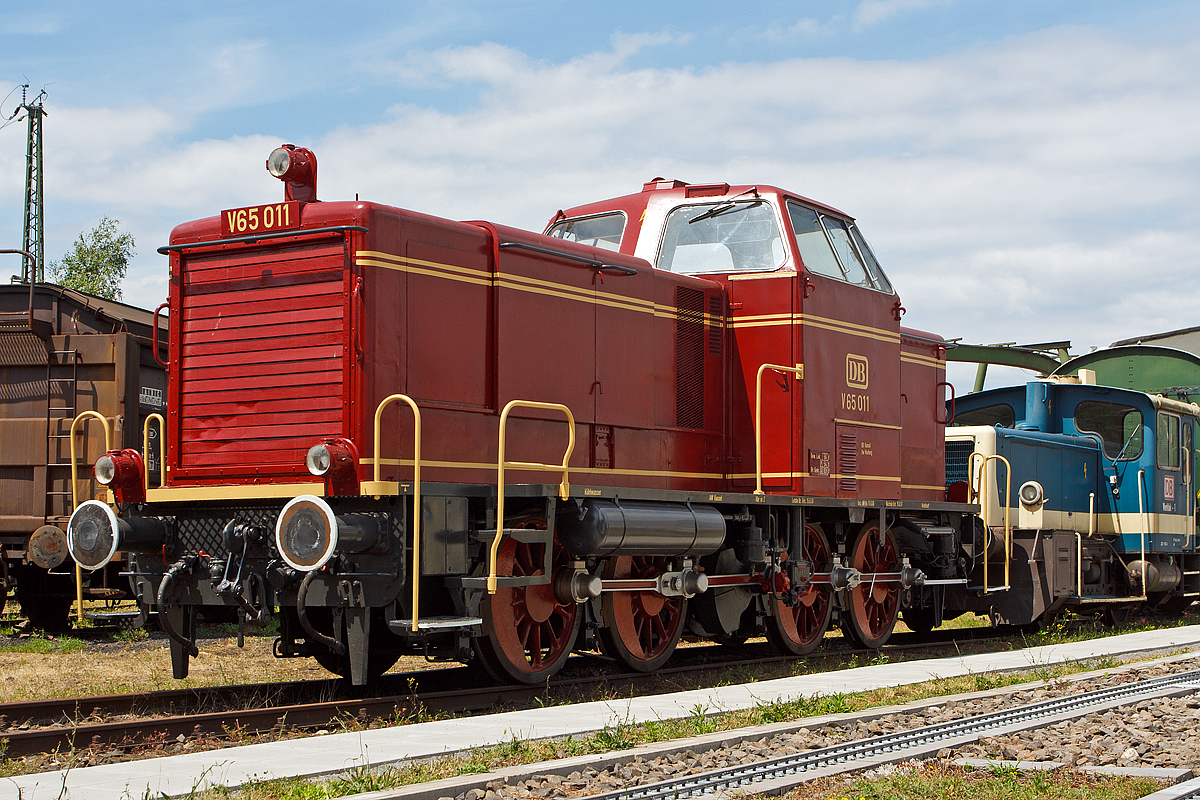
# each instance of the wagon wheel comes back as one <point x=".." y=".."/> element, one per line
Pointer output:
<point x="797" y="630"/>
<point x="1117" y="616"/>
<point x="527" y="632"/>
<point x="1175" y="606"/>
<point x="380" y="658"/>
<point x="919" y="619"/>
<point x="873" y="607"/>
<point x="640" y="629"/>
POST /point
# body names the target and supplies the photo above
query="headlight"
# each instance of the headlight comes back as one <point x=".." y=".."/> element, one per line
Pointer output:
<point x="106" y="470"/>
<point x="318" y="460"/>
<point x="279" y="162"/>
<point x="335" y="460"/>
<point x="1031" y="493"/>
<point x="92" y="535"/>
<point x="123" y="471"/>
<point x="306" y="533"/>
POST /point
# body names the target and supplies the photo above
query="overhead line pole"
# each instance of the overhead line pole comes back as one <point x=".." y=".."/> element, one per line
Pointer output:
<point x="33" y="240"/>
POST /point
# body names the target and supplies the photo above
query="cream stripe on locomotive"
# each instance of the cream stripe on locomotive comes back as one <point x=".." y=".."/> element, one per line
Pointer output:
<point x="510" y="281"/>
<point x="814" y="321"/>
<point x="407" y="462"/>
<point x="926" y="361"/>
<point x="475" y="465"/>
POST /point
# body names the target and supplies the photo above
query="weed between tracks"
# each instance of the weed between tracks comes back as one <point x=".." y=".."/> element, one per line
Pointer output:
<point x="944" y="782"/>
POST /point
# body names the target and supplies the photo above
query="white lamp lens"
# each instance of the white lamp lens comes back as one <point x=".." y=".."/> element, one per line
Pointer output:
<point x="106" y="470"/>
<point x="318" y="460"/>
<point x="279" y="162"/>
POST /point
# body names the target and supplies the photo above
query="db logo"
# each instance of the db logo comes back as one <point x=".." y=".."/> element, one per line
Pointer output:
<point x="1168" y="487"/>
<point x="856" y="371"/>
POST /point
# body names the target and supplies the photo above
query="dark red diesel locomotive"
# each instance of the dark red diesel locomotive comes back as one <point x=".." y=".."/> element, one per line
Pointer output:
<point x="690" y="411"/>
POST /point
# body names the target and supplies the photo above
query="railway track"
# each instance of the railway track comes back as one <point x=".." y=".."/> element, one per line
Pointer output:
<point x="35" y="727"/>
<point x="776" y="776"/>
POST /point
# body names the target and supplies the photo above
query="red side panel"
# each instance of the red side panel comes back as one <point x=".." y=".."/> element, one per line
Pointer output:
<point x="922" y="442"/>
<point x="262" y="358"/>
<point x="851" y="391"/>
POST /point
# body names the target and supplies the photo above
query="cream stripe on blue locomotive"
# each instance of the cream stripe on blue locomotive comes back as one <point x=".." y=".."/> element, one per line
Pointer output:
<point x="375" y="258"/>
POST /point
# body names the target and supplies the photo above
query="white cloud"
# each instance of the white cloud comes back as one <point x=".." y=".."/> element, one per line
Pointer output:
<point x="1046" y="187"/>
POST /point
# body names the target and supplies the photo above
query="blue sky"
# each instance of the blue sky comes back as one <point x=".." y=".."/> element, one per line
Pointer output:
<point x="1027" y="171"/>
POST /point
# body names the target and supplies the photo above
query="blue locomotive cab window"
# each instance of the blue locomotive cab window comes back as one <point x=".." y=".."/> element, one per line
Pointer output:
<point x="722" y="237"/>
<point x="1166" y="443"/>
<point x="999" y="414"/>
<point x="1119" y="427"/>
<point x="603" y="231"/>
<point x="835" y="248"/>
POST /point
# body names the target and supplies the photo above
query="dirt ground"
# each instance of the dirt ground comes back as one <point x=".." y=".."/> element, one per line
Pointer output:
<point x="103" y="660"/>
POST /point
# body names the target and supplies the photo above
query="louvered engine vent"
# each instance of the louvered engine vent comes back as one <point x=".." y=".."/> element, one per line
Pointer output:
<point x="689" y="357"/>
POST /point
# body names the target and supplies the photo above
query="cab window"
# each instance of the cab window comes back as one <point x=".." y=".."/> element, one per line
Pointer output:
<point x="722" y="237"/>
<point x="1118" y="426"/>
<point x="835" y="248"/>
<point x="999" y="414"/>
<point x="1167" y="441"/>
<point x="603" y="231"/>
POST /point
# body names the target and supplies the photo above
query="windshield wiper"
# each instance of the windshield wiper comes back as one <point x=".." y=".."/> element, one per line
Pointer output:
<point x="728" y="205"/>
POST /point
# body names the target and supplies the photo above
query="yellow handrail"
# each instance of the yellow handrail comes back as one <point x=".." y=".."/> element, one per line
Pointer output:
<point x="75" y="494"/>
<point x="563" y="486"/>
<point x="984" y="502"/>
<point x="162" y="450"/>
<point x="798" y="371"/>
<point x="416" y="584"/>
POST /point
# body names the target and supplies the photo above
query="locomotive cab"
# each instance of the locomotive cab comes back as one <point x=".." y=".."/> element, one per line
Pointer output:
<point x="802" y="288"/>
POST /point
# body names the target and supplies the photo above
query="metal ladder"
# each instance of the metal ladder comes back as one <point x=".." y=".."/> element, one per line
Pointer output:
<point x="53" y="428"/>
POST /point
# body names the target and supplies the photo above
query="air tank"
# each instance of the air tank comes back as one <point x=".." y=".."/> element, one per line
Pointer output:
<point x="630" y="527"/>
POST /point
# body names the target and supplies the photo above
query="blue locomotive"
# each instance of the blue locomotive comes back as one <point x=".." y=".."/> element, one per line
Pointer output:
<point x="1087" y="495"/>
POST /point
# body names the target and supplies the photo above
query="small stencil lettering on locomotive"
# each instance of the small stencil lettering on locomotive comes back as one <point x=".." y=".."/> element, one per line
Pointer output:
<point x="819" y="463"/>
<point x="602" y="446"/>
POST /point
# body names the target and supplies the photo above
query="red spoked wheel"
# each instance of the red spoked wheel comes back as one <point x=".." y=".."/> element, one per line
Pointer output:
<point x="527" y="632"/>
<point x="640" y="629"/>
<point x="873" y="607"/>
<point x="797" y="630"/>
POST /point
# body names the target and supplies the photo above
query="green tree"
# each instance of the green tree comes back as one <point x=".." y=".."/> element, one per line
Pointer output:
<point x="97" y="262"/>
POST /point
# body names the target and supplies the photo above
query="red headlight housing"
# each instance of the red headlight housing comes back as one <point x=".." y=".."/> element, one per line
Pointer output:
<point x="122" y="471"/>
<point x="335" y="460"/>
<point x="297" y="168"/>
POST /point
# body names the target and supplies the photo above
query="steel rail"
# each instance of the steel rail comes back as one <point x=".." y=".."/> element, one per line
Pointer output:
<point x="197" y="717"/>
<point x="1029" y="716"/>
